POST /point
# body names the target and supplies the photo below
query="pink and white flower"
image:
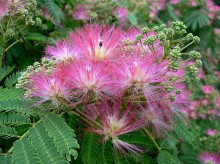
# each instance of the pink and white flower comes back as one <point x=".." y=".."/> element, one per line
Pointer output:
<point x="208" y="89"/>
<point x="97" y="42"/>
<point x="207" y="158"/>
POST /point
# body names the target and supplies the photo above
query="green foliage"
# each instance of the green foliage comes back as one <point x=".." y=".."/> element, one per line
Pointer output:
<point x="54" y="10"/>
<point x="6" y="131"/>
<point x="105" y="153"/>
<point x="4" y="71"/>
<point x="90" y="149"/>
<point x="196" y="19"/>
<point x="44" y="145"/>
<point x="14" y="118"/>
<point x="24" y="152"/>
<point x="62" y="135"/>
<point x="38" y="37"/>
<point x="183" y="132"/>
<point x="165" y="157"/>
<point x="12" y="79"/>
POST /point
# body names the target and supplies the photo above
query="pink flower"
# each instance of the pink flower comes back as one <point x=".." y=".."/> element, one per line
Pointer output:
<point x="208" y="89"/>
<point x="62" y="50"/>
<point x="80" y="12"/>
<point x="48" y="88"/>
<point x="207" y="158"/>
<point x="121" y="13"/>
<point x="114" y="124"/>
<point x="174" y="1"/>
<point x="97" y="42"/>
<point x="211" y="132"/>
<point x="4" y="7"/>
<point x="89" y="77"/>
<point x="201" y="73"/>
<point x="217" y="103"/>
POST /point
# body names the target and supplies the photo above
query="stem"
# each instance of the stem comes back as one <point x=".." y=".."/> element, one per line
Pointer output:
<point x="187" y="45"/>
<point x="152" y="138"/>
<point x="80" y="112"/>
<point x="11" y="45"/>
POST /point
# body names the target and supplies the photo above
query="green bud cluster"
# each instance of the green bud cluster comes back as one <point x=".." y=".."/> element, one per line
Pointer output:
<point x="179" y="27"/>
<point x="174" y="58"/>
<point x="150" y="40"/>
<point x="9" y="33"/>
<point x="199" y="63"/>
<point x="37" y="67"/>
<point x="172" y="98"/>
<point x="145" y="30"/>
<point x="194" y="55"/>
<point x="169" y="88"/>
<point x="139" y="37"/>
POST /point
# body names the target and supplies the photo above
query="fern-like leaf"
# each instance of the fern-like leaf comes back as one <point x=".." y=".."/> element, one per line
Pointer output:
<point x="183" y="131"/>
<point x="54" y="10"/>
<point x="6" y="159"/>
<point x="14" y="118"/>
<point x="165" y="157"/>
<point x="196" y="19"/>
<point x="4" y="71"/>
<point x="38" y="38"/>
<point x="63" y="135"/>
<point x="12" y="79"/>
<point x="24" y="153"/>
<point x="7" y="131"/>
<point x="45" y="146"/>
<point x="89" y="153"/>
<point x="105" y="154"/>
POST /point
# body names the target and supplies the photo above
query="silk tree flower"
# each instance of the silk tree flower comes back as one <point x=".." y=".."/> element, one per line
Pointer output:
<point x="48" y="88"/>
<point x="211" y="132"/>
<point x="63" y="49"/>
<point x="96" y="41"/>
<point x="89" y="77"/>
<point x="217" y="103"/>
<point x="209" y="158"/>
<point x="160" y="120"/>
<point x="114" y="124"/>
<point x="4" y="7"/>
<point x="80" y="12"/>
<point x="208" y="89"/>
<point x="121" y="13"/>
<point x="139" y="75"/>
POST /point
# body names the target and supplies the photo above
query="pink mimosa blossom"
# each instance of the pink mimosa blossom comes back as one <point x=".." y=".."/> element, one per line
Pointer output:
<point x="90" y="77"/>
<point x="211" y="132"/>
<point x="207" y="158"/>
<point x="48" y="88"/>
<point x="121" y="13"/>
<point x="80" y="12"/>
<point x="114" y="124"/>
<point x="217" y="103"/>
<point x="208" y="89"/>
<point x="62" y="50"/>
<point x="97" y="42"/>
<point x="4" y="7"/>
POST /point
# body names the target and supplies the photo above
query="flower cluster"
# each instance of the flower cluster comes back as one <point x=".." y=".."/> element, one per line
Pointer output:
<point x="209" y="158"/>
<point x="124" y="80"/>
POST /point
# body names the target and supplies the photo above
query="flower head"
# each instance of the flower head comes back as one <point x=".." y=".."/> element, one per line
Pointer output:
<point x="208" y="89"/>
<point x="63" y="49"/>
<point x="89" y="78"/>
<point x="209" y="158"/>
<point x="4" y="7"/>
<point x="97" y="42"/>
<point x="114" y="124"/>
<point x="80" y="12"/>
<point x="211" y="132"/>
<point x="48" y="88"/>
